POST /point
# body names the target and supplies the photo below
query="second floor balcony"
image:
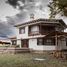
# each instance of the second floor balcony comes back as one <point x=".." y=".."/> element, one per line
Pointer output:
<point x="37" y="30"/>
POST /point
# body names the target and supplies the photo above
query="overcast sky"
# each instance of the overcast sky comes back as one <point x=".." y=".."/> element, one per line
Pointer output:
<point x="6" y="10"/>
<point x="19" y="16"/>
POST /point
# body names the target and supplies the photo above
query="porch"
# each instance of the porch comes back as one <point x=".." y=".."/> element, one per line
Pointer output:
<point x="60" y="43"/>
<point x="60" y="39"/>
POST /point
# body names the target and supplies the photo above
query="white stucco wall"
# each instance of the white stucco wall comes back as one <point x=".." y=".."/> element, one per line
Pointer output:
<point x="25" y="35"/>
<point x="49" y="47"/>
<point x="19" y="43"/>
<point x="33" y="45"/>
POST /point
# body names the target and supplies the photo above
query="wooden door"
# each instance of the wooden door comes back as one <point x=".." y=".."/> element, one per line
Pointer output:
<point x="24" y="43"/>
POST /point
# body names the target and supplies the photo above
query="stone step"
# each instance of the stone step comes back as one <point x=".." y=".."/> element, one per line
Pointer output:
<point x="14" y="50"/>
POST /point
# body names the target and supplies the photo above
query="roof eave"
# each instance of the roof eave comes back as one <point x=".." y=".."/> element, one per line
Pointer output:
<point x="27" y="23"/>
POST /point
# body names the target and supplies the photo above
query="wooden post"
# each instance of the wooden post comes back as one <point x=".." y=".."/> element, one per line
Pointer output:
<point x="56" y="41"/>
<point x="40" y="29"/>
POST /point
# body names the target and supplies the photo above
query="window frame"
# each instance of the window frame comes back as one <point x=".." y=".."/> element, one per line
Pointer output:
<point x="44" y="42"/>
<point x="20" y="30"/>
<point x="13" y="42"/>
<point x="34" y="32"/>
<point x="39" y="41"/>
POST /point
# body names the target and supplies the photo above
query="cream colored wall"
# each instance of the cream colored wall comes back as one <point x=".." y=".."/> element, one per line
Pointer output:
<point x="19" y="43"/>
<point x="52" y="47"/>
<point x="33" y="45"/>
<point x="25" y="35"/>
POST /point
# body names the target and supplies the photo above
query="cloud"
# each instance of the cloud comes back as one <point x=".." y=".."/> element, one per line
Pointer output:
<point x="38" y="8"/>
<point x="5" y="29"/>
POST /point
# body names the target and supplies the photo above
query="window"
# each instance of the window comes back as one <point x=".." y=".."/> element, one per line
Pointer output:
<point x="49" y="42"/>
<point x="34" y="29"/>
<point x="40" y="41"/>
<point x="43" y="41"/>
<point x="22" y="30"/>
<point x="14" y="42"/>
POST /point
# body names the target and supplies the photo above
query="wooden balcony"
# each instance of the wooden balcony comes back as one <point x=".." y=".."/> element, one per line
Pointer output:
<point x="42" y="30"/>
<point x="34" y="33"/>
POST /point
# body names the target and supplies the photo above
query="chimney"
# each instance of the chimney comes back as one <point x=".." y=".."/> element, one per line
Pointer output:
<point x="32" y="16"/>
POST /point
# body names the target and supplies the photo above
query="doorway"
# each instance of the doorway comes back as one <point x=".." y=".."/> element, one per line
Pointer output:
<point x="24" y="43"/>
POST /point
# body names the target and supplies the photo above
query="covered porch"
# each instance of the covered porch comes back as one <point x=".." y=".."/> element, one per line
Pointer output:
<point x="60" y="43"/>
<point x="60" y="39"/>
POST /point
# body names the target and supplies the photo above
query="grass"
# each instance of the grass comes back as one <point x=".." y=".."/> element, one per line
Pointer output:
<point x="26" y="60"/>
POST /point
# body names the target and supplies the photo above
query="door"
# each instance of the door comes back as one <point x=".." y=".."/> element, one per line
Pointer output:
<point x="24" y="43"/>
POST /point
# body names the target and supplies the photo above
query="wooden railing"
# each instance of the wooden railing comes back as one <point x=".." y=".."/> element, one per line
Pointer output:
<point x="39" y="32"/>
<point x="34" y="33"/>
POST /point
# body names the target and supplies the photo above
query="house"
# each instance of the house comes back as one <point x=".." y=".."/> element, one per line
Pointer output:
<point x="42" y="35"/>
<point x="13" y="40"/>
<point x="4" y="42"/>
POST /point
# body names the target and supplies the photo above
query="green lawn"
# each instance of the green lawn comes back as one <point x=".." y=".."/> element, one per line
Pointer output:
<point x="26" y="60"/>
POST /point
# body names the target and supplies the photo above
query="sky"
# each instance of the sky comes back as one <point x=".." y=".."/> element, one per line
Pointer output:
<point x="6" y="10"/>
<point x="40" y="10"/>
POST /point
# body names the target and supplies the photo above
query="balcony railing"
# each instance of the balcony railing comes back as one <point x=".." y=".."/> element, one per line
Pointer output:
<point x="34" y="33"/>
<point x="39" y="32"/>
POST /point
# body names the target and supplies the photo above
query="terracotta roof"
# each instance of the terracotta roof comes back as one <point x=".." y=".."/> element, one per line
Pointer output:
<point x="37" y="20"/>
<point x="2" y="42"/>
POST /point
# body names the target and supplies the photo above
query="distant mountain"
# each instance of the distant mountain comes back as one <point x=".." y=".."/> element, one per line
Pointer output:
<point x="2" y="35"/>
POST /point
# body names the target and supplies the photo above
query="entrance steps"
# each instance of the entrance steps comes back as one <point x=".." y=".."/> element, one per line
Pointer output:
<point x="13" y="50"/>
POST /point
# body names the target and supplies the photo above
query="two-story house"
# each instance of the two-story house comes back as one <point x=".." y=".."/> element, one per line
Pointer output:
<point x="42" y="34"/>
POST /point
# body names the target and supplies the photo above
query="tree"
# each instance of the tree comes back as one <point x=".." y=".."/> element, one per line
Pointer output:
<point x="58" y="6"/>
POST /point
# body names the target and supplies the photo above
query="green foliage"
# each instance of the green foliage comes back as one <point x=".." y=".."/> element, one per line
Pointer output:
<point x="57" y="6"/>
